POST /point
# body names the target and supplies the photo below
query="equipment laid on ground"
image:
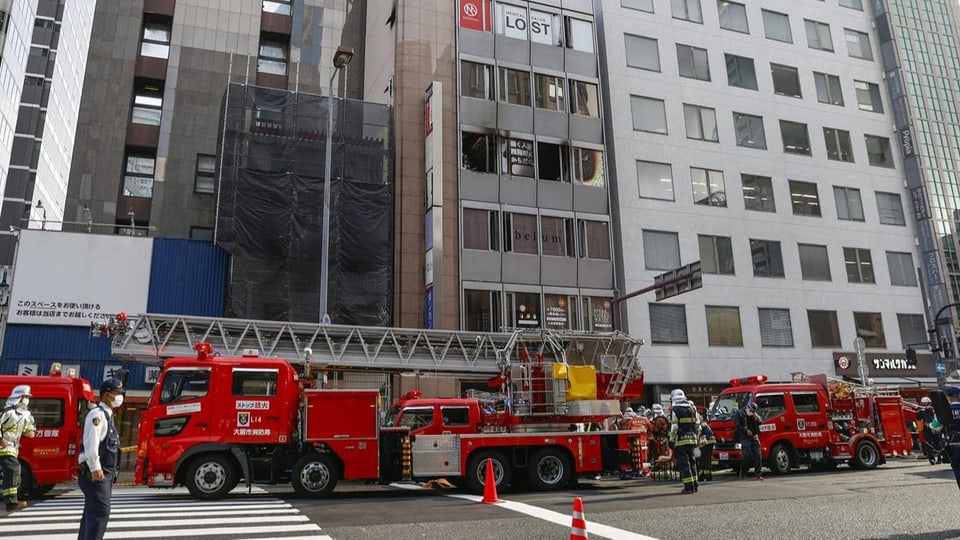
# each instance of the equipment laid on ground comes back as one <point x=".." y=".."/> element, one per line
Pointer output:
<point x="58" y="405"/>
<point x="815" y="421"/>
<point x="214" y="420"/>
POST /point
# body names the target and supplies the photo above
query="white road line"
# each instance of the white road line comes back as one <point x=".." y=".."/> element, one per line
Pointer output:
<point x="593" y="529"/>
<point x="127" y="535"/>
<point x="114" y="515"/>
<point x="160" y="509"/>
<point x="122" y="524"/>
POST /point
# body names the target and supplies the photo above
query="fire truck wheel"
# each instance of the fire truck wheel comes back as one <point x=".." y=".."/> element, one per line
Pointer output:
<point x="549" y="469"/>
<point x="779" y="459"/>
<point x="315" y="475"/>
<point x="210" y="476"/>
<point x="477" y="471"/>
<point x="866" y="456"/>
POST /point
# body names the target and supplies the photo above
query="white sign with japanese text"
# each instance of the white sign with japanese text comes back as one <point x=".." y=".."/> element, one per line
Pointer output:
<point x="73" y="279"/>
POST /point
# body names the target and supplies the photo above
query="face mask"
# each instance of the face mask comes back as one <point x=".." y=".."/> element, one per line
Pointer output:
<point x="24" y="402"/>
<point x="117" y="401"/>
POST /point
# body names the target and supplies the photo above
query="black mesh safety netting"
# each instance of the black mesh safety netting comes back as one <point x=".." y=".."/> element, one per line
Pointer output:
<point x="270" y="206"/>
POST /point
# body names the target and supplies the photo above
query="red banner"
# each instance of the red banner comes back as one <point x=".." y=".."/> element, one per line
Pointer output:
<point x="475" y="15"/>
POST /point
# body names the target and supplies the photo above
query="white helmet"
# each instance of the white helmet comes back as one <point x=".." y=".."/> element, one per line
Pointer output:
<point x="18" y="392"/>
<point x="657" y="409"/>
<point x="678" y="397"/>
<point x="925" y="401"/>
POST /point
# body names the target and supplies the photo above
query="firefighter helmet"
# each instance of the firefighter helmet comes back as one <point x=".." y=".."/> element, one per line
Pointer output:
<point x="925" y="401"/>
<point x="18" y="392"/>
<point x="678" y="397"/>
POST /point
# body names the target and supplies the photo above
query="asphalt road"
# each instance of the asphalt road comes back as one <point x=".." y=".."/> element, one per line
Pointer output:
<point x="904" y="499"/>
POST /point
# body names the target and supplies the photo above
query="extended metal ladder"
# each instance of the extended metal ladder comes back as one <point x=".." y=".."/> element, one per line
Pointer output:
<point x="150" y="338"/>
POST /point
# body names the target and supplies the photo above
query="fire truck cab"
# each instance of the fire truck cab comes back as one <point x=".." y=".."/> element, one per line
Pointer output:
<point x="58" y="406"/>
<point x="812" y="421"/>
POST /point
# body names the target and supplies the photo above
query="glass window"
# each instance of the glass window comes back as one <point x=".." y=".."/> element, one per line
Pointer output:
<point x="859" y="265"/>
<point x="913" y="331"/>
<point x="818" y="35"/>
<point x="649" y="114"/>
<point x="770" y="405"/>
<point x="579" y="35"/>
<point x="476" y="80"/>
<point x="814" y="263"/>
<point x="523" y="309"/>
<point x="642" y="5"/>
<point x="838" y="144"/>
<point x="868" y="96"/>
<point x="138" y="177"/>
<point x="758" y="193"/>
<point x="517" y="157"/>
<point x="480" y="229"/>
<point x="878" y="151"/>
<point x="849" y="204"/>
<point x="416" y="417"/>
<point x="655" y="180"/>
<point x="585" y="99"/>
<point x="481" y="311"/>
<point x="668" y="324"/>
<point x="824" y="330"/>
<point x="588" y="167"/>
<point x="479" y="152"/>
<point x="701" y="123"/>
<point x="750" y="133"/>
<point x="852" y="4"/>
<point x="796" y="140"/>
<point x="560" y="311"/>
<point x="273" y="58"/>
<point x="828" y="88"/>
<point x="514" y="86"/>
<point x="902" y="272"/>
<point x="804" y="198"/>
<point x="733" y="16"/>
<point x="254" y="382"/>
<point x="708" y="187"/>
<point x="786" y="80"/>
<point x="205" y="174"/>
<point x="723" y="326"/>
<point x="520" y="233"/>
<point x="47" y="412"/>
<point x="716" y="254"/>
<point x="642" y="52"/>
<point x="693" y="63"/>
<point x="740" y="72"/>
<point x="776" y="26"/>
<point x="597" y="314"/>
<point x="455" y="416"/>
<point x="553" y="162"/>
<point x="870" y="328"/>
<point x="204" y="234"/>
<point x="661" y="250"/>
<point x="890" y="209"/>
<point x="147" y="102"/>
<point x="155" y="41"/>
<point x="767" y="259"/>
<point x="545" y="28"/>
<point x="776" y="329"/>
<point x="556" y="236"/>
<point x="183" y="384"/>
<point x="688" y="10"/>
<point x="805" y="403"/>
<point x="277" y="7"/>
<point x="549" y="92"/>
<point x="594" y="239"/>
<point x="858" y="44"/>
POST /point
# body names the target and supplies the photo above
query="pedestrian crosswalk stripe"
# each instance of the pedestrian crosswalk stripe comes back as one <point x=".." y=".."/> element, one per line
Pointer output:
<point x="149" y="513"/>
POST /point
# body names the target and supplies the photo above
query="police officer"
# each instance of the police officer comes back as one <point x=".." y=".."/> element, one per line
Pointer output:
<point x="99" y="459"/>
<point x="684" y="433"/>
<point x="15" y="421"/>
<point x="748" y="428"/>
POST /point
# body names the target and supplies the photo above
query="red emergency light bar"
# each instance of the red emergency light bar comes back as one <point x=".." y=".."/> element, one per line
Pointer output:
<point x="754" y="379"/>
<point x="203" y="350"/>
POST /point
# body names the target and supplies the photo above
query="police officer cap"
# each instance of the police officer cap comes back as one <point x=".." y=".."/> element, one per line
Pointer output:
<point x="953" y="391"/>
<point x="752" y="406"/>
<point x="112" y="384"/>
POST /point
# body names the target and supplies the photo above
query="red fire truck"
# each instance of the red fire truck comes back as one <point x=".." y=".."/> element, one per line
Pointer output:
<point x="813" y="421"/>
<point x="58" y="406"/>
<point x="214" y="420"/>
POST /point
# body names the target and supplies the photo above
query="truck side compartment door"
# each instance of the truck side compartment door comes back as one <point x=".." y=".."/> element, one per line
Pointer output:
<point x="254" y="413"/>
<point x="183" y="409"/>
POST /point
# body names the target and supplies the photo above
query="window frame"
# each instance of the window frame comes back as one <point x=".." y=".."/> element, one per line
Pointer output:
<point x="814" y="262"/>
<point x="884" y="142"/>
<point x="728" y="10"/>
<point x="828" y="88"/>
<point x="864" y="89"/>
<point x="697" y="122"/>
<point x="723" y="316"/>
<point x="716" y="255"/>
<point x="818" y="341"/>
<point x="701" y="72"/>
<point x="648" y="115"/>
<point x="271" y="63"/>
<point x="492" y="229"/>
<point x="766" y="193"/>
<point x="898" y="219"/>
<point x="863" y="48"/>
<point x="798" y="199"/>
<point x="820" y="29"/>
<point x="770" y="337"/>
<point x="133" y="176"/>
<point x="488" y="90"/>
<point x="575" y="92"/>
<point x="205" y="174"/>
<point x="835" y="139"/>
<point x="685" y="6"/>
<point x="879" y="339"/>
<point x="783" y="70"/>
<point x="712" y="196"/>
<point x="645" y="193"/>
<point x="766" y="27"/>
<point x="770" y="254"/>
<point x="670" y="329"/>
<point x="849" y="203"/>
<point x="512" y="89"/>
<point x="749" y="121"/>
<point x="740" y="70"/>
<point x="802" y="149"/>
<point x="644" y="42"/>
<point x="859" y="265"/>
<point x="661" y="249"/>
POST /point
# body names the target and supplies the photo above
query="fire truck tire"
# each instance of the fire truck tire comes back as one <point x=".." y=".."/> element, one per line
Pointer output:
<point x="477" y="471"/>
<point x="549" y="469"/>
<point x="315" y="475"/>
<point x="866" y="456"/>
<point x="40" y="491"/>
<point x="210" y="476"/>
<point x="779" y="460"/>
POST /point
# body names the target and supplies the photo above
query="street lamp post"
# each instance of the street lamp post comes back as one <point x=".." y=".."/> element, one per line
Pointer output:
<point x="340" y="60"/>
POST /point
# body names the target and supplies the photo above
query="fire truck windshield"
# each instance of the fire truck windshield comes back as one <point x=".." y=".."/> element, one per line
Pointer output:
<point x="725" y="405"/>
<point x="181" y="384"/>
<point x="391" y="418"/>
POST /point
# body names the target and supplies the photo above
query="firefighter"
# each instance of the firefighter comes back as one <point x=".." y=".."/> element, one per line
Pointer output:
<point x="99" y="460"/>
<point x="929" y="439"/>
<point x="684" y="434"/>
<point x="706" y="443"/>
<point x="748" y="429"/>
<point x="16" y="421"/>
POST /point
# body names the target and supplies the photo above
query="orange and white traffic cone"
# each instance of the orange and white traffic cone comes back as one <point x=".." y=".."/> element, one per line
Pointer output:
<point x="490" y="486"/>
<point x="578" y="529"/>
